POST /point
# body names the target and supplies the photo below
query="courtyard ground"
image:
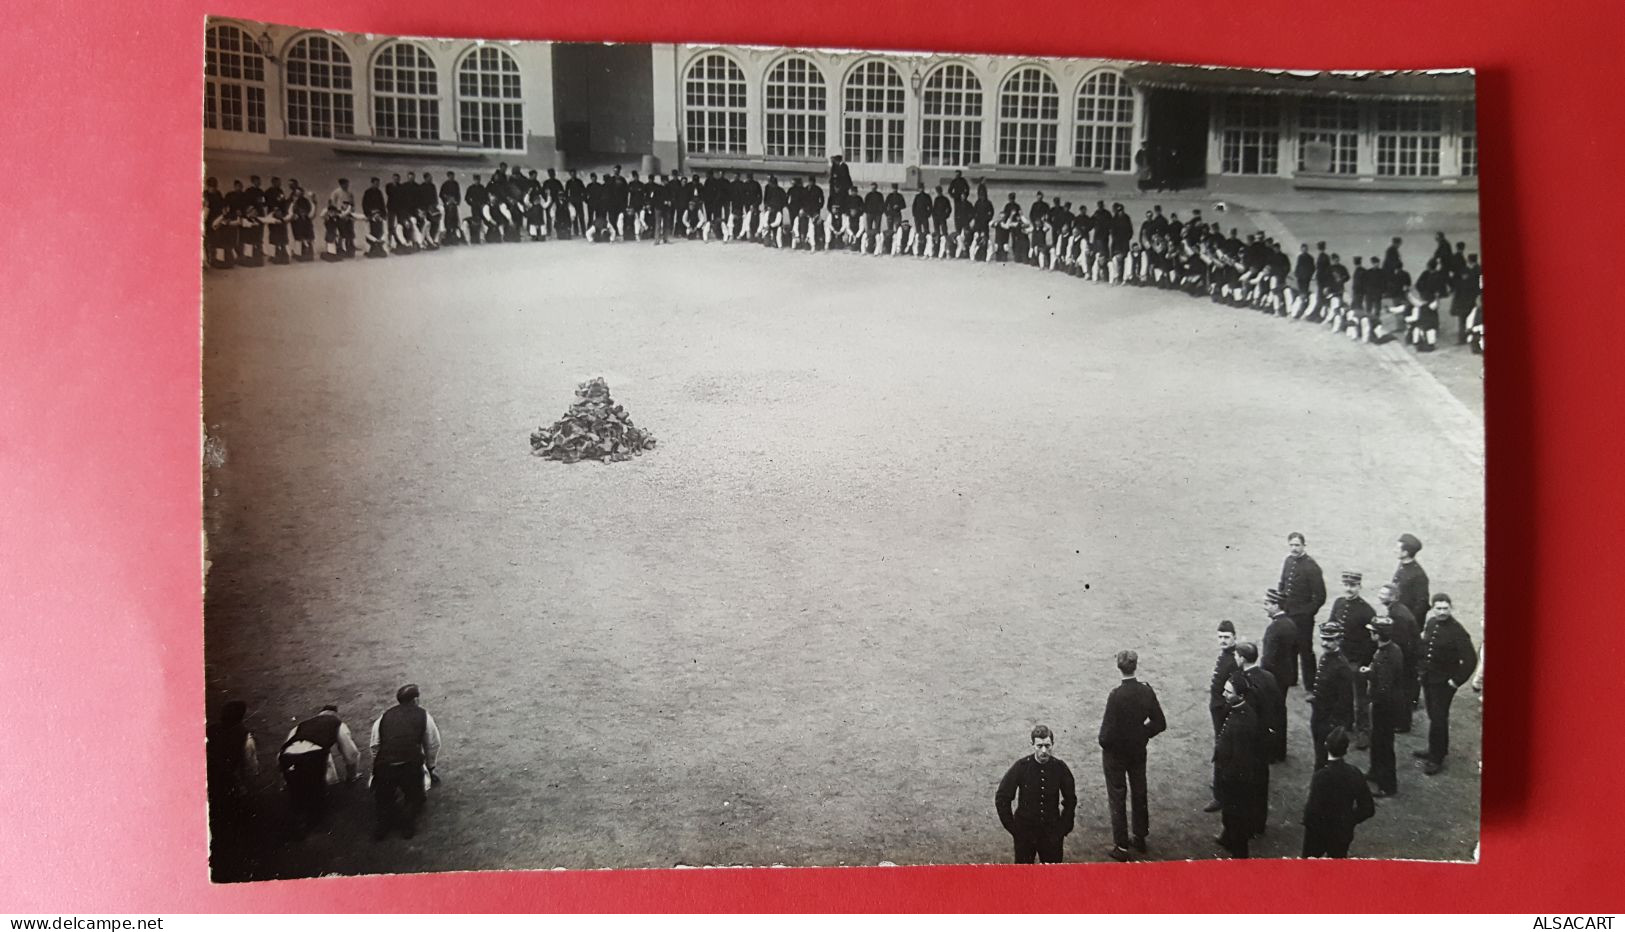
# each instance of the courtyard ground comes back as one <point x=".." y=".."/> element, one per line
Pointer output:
<point x="901" y="511"/>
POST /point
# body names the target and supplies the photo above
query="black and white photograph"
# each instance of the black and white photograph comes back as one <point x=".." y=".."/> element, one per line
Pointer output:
<point x="684" y="455"/>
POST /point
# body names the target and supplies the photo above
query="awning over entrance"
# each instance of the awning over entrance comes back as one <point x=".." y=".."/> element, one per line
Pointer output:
<point x="1392" y="85"/>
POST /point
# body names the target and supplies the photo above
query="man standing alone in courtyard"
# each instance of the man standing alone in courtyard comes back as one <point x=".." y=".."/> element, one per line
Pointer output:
<point x="1048" y="801"/>
<point x="1303" y="592"/>
<point x="1133" y="717"/>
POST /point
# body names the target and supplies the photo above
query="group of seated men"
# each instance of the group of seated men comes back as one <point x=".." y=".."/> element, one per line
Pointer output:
<point x="1193" y="255"/>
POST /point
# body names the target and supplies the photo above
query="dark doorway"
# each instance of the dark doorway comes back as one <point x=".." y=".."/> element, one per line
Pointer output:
<point x="603" y="101"/>
<point x="1176" y="138"/>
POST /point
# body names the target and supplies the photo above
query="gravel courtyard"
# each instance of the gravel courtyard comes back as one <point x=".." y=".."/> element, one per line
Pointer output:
<point x="900" y="511"/>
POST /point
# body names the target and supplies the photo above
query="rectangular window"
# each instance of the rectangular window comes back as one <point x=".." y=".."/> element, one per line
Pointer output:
<point x="1408" y="136"/>
<point x="1335" y="126"/>
<point x="1469" y="141"/>
<point x="1252" y="136"/>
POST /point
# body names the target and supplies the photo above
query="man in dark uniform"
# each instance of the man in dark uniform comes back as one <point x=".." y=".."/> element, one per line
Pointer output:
<point x="1448" y="661"/>
<point x="1383" y="677"/>
<point x="1354" y="614"/>
<point x="959" y="187"/>
<point x="941" y="210"/>
<point x="451" y="199"/>
<point x="1048" y="802"/>
<point x="1239" y="768"/>
<point x="476" y="199"/>
<point x="1217" y="707"/>
<point x="575" y="197"/>
<point x="1265" y="697"/>
<point x="1407" y="633"/>
<point x="921" y="210"/>
<point x="616" y="197"/>
<point x="895" y="205"/>
<point x="306" y="758"/>
<point x="840" y="177"/>
<point x="874" y="218"/>
<point x="405" y="745"/>
<point x="637" y="202"/>
<point x="813" y="203"/>
<point x="597" y="208"/>
<point x="1133" y="717"/>
<point x="982" y="225"/>
<point x="1411" y="579"/>
<point x="1303" y="592"/>
<point x="1122" y="233"/>
<point x="1464" y="297"/>
<point x="774" y="202"/>
<point x="1333" y="696"/>
<point x="964" y="217"/>
<point x="373" y="200"/>
<point x="1279" y="658"/>
<point x="1338" y="801"/>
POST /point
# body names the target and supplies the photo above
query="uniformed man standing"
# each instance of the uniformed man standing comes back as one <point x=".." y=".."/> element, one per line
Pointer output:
<point x="1354" y="615"/>
<point x="1239" y="768"/>
<point x="1333" y="695"/>
<point x="1265" y="697"/>
<point x="840" y="177"/>
<point x="1303" y="592"/>
<point x="1383" y="676"/>
<point x="1046" y="801"/>
<point x="476" y="211"/>
<point x="1407" y="633"/>
<point x="1280" y="658"/>
<point x="1218" y="708"/>
<point x="1338" y="801"/>
<point x="1133" y="717"/>
<point x="1448" y="661"/>
<point x="1411" y="579"/>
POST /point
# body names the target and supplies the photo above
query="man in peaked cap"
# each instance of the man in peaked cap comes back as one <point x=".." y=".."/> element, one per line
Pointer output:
<point x="1265" y="697"/>
<point x="1334" y="691"/>
<point x="1409" y="576"/>
<point x="1354" y="614"/>
<point x="1239" y="768"/>
<point x="1407" y="633"/>
<point x="1218" y="707"/>
<point x="1384" y="676"/>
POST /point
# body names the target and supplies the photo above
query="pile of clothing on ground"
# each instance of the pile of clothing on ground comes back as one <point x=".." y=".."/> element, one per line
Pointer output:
<point x="595" y="428"/>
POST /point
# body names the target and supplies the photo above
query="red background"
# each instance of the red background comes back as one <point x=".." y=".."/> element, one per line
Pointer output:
<point x="101" y="685"/>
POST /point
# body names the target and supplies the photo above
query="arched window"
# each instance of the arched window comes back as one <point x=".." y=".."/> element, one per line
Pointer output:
<point x="1029" y="118"/>
<point x="951" y="125"/>
<point x="490" y="106"/>
<point x="873" y="113"/>
<point x="405" y="93"/>
<point x="714" y="112"/>
<point x="796" y="108"/>
<point x="234" y="81"/>
<point x="1105" y="130"/>
<point x="319" y="84"/>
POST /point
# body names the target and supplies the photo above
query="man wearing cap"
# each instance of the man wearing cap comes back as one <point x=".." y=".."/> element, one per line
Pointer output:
<point x="1265" y="697"/>
<point x="1383" y="675"/>
<point x="1218" y="708"/>
<point x="1411" y="579"/>
<point x="1133" y="717"/>
<point x="1407" y="633"/>
<point x="1303" y="592"/>
<point x="1354" y="614"/>
<point x="1338" y="801"/>
<point x="405" y="745"/>
<point x="1448" y="661"/>
<point x="1239" y="768"/>
<point x="1280" y="658"/>
<point x="1047" y="803"/>
<point x="1333" y="696"/>
<point x="314" y="755"/>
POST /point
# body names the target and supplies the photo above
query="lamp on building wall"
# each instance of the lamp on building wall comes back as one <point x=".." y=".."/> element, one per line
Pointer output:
<point x="264" y="43"/>
<point x="916" y="80"/>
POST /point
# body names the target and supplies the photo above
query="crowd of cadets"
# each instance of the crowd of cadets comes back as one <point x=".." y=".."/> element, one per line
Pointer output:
<point x="953" y="221"/>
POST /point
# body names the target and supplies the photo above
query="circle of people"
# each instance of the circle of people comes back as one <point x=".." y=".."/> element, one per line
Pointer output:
<point x="1377" y="665"/>
<point x="1192" y="255"/>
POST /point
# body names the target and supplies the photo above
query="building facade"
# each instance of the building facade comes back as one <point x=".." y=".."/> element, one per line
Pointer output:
<point x="896" y="117"/>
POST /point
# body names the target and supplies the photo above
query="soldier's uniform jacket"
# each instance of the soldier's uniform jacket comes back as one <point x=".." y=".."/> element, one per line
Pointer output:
<point x="1133" y="717"/>
<point x="1447" y="652"/>
<point x="1412" y="581"/>
<point x="1355" y="615"/>
<point x="1303" y="587"/>
<point x="1338" y="801"/>
<point x="1048" y="797"/>
<point x="1387" y="674"/>
<point x="1238" y="754"/>
<point x="1334" y="694"/>
<point x="1280" y="654"/>
<point x="1225" y="666"/>
<point x="1265" y="698"/>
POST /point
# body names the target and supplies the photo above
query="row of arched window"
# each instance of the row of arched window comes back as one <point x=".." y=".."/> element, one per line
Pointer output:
<point x="872" y="99"/>
<point x="320" y="84"/>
